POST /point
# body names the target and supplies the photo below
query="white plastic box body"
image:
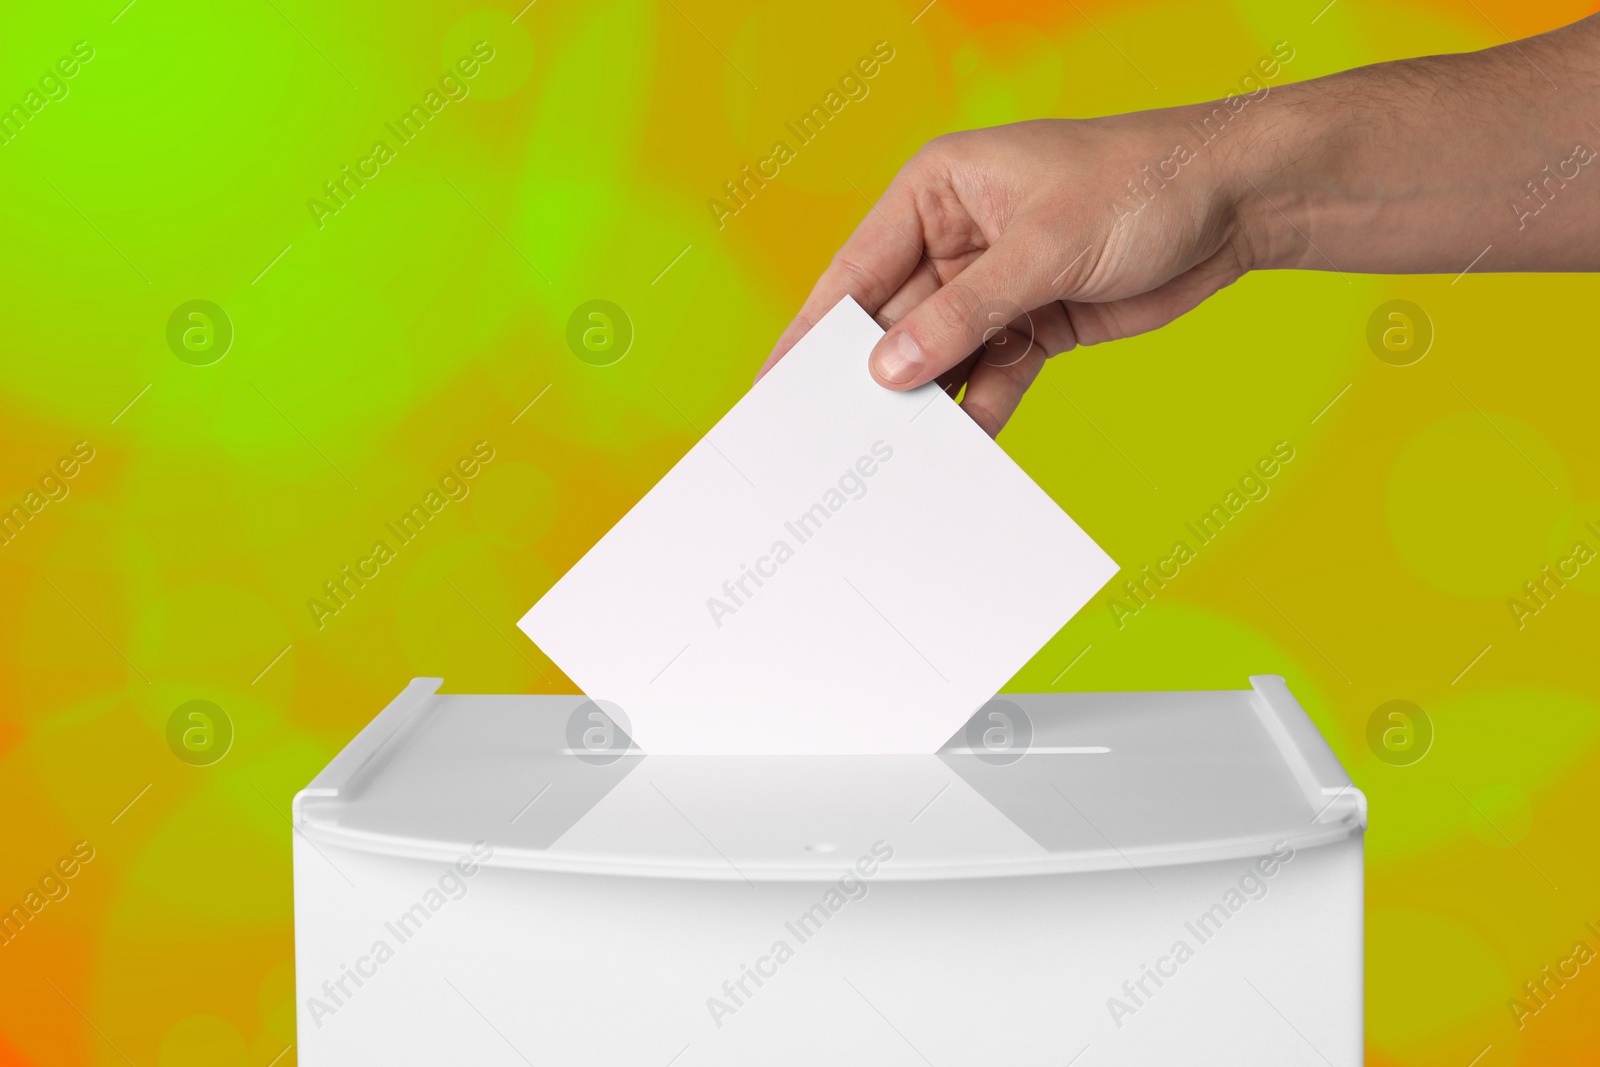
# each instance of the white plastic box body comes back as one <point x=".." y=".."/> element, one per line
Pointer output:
<point x="1124" y="879"/>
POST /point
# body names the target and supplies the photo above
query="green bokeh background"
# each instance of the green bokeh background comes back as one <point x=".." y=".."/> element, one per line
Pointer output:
<point x="374" y="350"/>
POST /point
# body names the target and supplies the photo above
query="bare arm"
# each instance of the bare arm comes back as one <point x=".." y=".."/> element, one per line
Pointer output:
<point x="993" y="249"/>
<point x="1418" y="166"/>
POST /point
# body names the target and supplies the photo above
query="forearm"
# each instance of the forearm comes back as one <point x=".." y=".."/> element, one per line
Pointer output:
<point x="1419" y="166"/>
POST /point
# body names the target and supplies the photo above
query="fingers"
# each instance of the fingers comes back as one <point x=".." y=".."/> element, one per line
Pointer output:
<point x="923" y="283"/>
<point x="954" y="380"/>
<point x="994" y="392"/>
<point x="942" y="330"/>
<point x="1010" y="361"/>
<point x="872" y="266"/>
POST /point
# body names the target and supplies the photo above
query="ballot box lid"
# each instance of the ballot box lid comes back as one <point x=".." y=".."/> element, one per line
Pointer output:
<point x="1046" y="783"/>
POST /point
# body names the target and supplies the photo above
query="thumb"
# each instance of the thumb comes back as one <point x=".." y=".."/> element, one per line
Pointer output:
<point x="957" y="318"/>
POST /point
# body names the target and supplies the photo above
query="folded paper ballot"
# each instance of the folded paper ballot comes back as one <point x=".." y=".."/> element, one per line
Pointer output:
<point x="834" y="568"/>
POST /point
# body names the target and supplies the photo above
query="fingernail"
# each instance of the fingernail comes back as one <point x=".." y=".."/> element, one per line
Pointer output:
<point x="897" y="359"/>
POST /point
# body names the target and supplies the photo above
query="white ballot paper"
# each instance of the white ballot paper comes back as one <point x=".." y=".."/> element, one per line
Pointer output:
<point x="834" y="568"/>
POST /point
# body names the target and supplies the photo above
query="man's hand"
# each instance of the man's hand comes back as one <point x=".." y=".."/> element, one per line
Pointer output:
<point x="995" y="249"/>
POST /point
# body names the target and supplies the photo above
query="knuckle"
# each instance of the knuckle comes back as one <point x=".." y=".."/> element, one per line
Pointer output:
<point x="937" y="156"/>
<point x="936" y="147"/>
<point x="987" y="419"/>
<point x="1054" y="332"/>
<point x="859" y="278"/>
<point x="1004" y="349"/>
<point x="958" y="312"/>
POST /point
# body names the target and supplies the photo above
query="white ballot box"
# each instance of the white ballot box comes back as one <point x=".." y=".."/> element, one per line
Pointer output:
<point x="1087" y="878"/>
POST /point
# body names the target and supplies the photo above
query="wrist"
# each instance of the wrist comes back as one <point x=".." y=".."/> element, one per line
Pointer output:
<point x="1280" y="173"/>
<point x="1412" y="166"/>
